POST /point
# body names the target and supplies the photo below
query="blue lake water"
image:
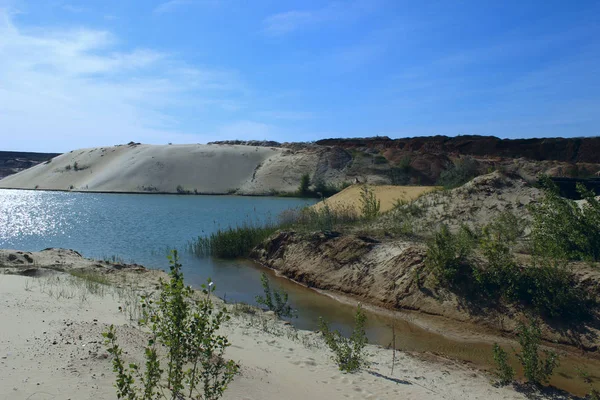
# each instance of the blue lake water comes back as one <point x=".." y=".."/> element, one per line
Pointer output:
<point x="142" y="228"/>
<point x="138" y="228"/>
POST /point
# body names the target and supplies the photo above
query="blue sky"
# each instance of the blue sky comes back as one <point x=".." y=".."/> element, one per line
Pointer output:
<point x="90" y="73"/>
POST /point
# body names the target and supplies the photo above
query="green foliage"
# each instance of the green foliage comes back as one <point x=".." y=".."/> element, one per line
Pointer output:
<point x="459" y="173"/>
<point x="370" y="206"/>
<point x="231" y="242"/>
<point x="304" y="184"/>
<point x="187" y="328"/>
<point x="504" y="372"/>
<point x="548" y="288"/>
<point x="349" y="352"/>
<point x="447" y="255"/>
<point x="274" y="300"/>
<point x="323" y="190"/>
<point x="562" y="229"/>
<point x="537" y="366"/>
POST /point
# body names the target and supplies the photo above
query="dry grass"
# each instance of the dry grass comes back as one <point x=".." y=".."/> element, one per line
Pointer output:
<point x="388" y="195"/>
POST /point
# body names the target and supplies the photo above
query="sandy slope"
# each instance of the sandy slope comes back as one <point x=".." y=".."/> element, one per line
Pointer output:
<point x="51" y="348"/>
<point x="388" y="195"/>
<point x="164" y="168"/>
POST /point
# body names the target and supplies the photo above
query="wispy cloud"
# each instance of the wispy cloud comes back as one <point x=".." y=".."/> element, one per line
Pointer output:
<point x="289" y="21"/>
<point x="286" y="22"/>
<point x="174" y="5"/>
<point x="76" y="86"/>
<point x="73" y="8"/>
<point x="171" y="5"/>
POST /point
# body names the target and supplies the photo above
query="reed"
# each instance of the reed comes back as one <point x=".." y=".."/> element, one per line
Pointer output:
<point x="232" y="242"/>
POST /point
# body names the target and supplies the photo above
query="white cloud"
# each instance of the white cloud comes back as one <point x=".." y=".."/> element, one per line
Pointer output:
<point x="63" y="89"/>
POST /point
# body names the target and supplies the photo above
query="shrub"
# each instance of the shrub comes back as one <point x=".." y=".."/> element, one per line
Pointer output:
<point x="370" y="206"/>
<point x="349" y="352"/>
<point x="504" y="372"/>
<point x="537" y="368"/>
<point x="562" y="229"/>
<point x="459" y="173"/>
<point x="447" y="255"/>
<point x="550" y="288"/>
<point x="274" y="300"/>
<point x="187" y="328"/>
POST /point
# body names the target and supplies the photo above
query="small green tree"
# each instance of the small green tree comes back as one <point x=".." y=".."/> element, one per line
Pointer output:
<point x="275" y="300"/>
<point x="537" y="368"/>
<point x="348" y="353"/>
<point x="504" y="372"/>
<point x="303" y="189"/>
<point x="187" y="328"/>
<point x="370" y="206"/>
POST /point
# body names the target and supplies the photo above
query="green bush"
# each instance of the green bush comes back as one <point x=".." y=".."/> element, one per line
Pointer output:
<point x="549" y="288"/>
<point x="349" y="352"/>
<point x="537" y="366"/>
<point x="447" y="255"/>
<point x="370" y="206"/>
<point x="187" y="328"/>
<point x="459" y="173"/>
<point x="562" y="229"/>
<point x="504" y="372"/>
<point x="274" y="300"/>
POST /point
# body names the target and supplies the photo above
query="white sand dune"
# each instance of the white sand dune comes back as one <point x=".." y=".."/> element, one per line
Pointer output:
<point x="194" y="168"/>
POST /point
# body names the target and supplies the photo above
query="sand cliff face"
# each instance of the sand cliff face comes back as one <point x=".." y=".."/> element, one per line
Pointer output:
<point x="202" y="169"/>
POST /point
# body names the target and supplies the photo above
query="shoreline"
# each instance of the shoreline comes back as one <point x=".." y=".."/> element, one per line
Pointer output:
<point x="275" y="356"/>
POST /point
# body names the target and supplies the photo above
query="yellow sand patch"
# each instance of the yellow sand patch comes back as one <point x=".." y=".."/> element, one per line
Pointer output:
<point x="386" y="194"/>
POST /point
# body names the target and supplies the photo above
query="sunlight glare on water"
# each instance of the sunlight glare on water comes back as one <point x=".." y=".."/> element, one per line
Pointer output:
<point x="30" y="213"/>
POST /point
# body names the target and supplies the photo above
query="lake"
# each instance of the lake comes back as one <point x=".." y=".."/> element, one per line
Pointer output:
<point x="142" y="228"/>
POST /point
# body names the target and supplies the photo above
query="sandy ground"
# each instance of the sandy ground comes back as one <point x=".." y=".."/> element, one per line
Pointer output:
<point x="51" y="348"/>
<point x="388" y="195"/>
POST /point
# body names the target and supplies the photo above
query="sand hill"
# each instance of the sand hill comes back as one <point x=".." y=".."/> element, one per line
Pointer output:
<point x="202" y="169"/>
<point x="388" y="196"/>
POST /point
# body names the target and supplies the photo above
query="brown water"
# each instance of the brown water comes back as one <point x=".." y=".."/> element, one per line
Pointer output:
<point x="411" y="337"/>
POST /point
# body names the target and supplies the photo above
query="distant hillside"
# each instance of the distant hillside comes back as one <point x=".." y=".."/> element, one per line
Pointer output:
<point x="266" y="167"/>
<point x="579" y="150"/>
<point x="12" y="162"/>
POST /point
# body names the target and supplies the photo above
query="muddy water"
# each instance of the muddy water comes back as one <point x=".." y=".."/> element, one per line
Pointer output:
<point x="411" y="336"/>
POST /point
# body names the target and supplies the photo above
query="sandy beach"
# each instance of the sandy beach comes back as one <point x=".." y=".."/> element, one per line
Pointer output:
<point x="51" y="345"/>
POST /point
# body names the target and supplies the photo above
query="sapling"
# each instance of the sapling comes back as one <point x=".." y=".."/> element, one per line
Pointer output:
<point x="186" y="326"/>
<point x="349" y="352"/>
